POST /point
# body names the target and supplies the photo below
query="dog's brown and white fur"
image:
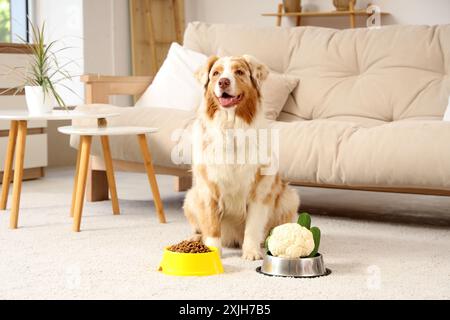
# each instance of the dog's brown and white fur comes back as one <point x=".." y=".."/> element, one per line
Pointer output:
<point x="234" y="204"/>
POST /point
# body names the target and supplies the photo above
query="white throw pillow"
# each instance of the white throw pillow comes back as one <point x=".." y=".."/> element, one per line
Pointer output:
<point x="175" y="85"/>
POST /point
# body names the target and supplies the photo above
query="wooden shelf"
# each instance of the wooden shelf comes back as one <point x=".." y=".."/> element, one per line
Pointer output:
<point x="351" y="13"/>
<point x="320" y="14"/>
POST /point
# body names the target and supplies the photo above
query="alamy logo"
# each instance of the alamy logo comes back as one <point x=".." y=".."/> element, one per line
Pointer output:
<point x="374" y="19"/>
<point x="373" y="280"/>
<point x="228" y="147"/>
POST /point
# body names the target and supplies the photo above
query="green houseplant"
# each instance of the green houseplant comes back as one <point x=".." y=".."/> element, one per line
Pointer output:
<point x="42" y="74"/>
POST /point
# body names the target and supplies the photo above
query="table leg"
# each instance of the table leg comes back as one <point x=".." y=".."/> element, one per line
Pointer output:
<point x="8" y="163"/>
<point x="279" y="16"/>
<point x="110" y="174"/>
<point x="18" y="173"/>
<point x="151" y="177"/>
<point x="75" y="184"/>
<point x="81" y="181"/>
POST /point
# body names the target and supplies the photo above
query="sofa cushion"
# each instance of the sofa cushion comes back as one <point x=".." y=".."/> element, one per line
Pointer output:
<point x="412" y="153"/>
<point x="391" y="73"/>
<point x="266" y="43"/>
<point x="346" y="151"/>
<point x="275" y="91"/>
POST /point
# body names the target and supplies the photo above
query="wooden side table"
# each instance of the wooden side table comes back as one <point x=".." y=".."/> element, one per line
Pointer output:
<point x="16" y="144"/>
<point x="86" y="135"/>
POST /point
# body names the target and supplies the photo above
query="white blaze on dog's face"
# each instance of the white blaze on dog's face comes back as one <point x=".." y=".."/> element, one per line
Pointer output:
<point x="233" y="82"/>
<point x="226" y="89"/>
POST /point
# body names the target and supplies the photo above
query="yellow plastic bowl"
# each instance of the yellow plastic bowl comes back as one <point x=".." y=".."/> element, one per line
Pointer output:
<point x="191" y="264"/>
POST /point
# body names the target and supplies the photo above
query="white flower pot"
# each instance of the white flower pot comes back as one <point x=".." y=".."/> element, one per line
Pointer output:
<point x="37" y="101"/>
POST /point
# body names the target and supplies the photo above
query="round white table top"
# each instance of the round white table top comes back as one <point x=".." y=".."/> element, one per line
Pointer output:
<point x="106" y="131"/>
<point x="24" y="115"/>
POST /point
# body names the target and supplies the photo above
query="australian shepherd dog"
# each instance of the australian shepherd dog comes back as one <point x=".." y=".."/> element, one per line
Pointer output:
<point x="234" y="204"/>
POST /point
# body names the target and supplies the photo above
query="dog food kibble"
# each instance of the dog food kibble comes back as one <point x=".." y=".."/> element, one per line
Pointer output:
<point x="189" y="247"/>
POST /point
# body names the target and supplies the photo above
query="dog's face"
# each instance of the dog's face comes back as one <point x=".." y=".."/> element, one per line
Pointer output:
<point x="233" y="83"/>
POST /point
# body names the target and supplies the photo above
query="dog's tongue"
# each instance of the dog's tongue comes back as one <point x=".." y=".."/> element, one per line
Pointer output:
<point x="228" y="101"/>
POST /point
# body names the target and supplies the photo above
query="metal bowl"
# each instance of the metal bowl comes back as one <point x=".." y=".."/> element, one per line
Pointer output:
<point x="297" y="268"/>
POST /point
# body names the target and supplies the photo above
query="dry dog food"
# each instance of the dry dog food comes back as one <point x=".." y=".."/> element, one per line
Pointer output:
<point x="189" y="247"/>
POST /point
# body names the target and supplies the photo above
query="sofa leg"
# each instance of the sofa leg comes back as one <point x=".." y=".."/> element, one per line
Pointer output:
<point x="97" y="186"/>
<point x="182" y="184"/>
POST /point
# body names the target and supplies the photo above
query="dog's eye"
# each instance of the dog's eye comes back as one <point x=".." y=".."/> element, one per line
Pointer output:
<point x="215" y="73"/>
<point x="239" y="72"/>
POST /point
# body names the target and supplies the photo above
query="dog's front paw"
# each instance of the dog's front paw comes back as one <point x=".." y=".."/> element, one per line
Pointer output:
<point x="252" y="254"/>
<point x="213" y="242"/>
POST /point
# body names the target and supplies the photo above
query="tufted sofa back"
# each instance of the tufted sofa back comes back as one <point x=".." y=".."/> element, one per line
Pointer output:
<point x="387" y="74"/>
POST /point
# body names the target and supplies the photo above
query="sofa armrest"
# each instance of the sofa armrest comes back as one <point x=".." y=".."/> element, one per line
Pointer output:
<point x="99" y="88"/>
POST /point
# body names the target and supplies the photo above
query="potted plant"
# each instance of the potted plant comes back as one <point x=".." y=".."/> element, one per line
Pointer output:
<point x="292" y="250"/>
<point x="43" y="73"/>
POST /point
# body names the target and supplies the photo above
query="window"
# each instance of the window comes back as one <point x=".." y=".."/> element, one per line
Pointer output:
<point x="5" y="21"/>
<point x="13" y="20"/>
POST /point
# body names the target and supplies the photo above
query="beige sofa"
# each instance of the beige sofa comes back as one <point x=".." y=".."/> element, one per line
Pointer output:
<point x="367" y="113"/>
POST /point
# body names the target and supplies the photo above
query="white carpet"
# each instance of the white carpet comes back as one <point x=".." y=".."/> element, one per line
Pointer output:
<point x="117" y="256"/>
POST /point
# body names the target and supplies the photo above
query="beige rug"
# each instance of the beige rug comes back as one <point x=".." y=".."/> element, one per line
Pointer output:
<point x="117" y="256"/>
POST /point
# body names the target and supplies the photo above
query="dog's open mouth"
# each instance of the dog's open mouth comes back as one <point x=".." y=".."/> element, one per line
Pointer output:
<point x="227" y="100"/>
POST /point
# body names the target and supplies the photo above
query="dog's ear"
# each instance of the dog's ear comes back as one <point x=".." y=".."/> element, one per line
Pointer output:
<point x="258" y="70"/>
<point x="202" y="74"/>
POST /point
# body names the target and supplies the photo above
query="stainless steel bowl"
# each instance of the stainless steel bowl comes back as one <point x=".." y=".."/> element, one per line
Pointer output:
<point x="297" y="268"/>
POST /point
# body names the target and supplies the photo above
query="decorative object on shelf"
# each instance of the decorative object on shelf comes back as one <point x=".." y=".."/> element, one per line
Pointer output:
<point x="42" y="75"/>
<point x="292" y="5"/>
<point x="447" y="111"/>
<point x="343" y="5"/>
<point x="350" y="12"/>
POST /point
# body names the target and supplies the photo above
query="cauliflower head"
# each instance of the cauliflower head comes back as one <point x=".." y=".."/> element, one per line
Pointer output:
<point x="290" y="240"/>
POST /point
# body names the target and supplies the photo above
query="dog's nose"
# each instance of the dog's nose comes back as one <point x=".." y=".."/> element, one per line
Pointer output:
<point x="224" y="83"/>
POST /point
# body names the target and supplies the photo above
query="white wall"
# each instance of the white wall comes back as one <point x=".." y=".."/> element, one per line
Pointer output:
<point x="107" y="44"/>
<point x="64" y="22"/>
<point x="231" y="11"/>
<point x="98" y="31"/>
<point x="417" y="11"/>
<point x="249" y="12"/>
